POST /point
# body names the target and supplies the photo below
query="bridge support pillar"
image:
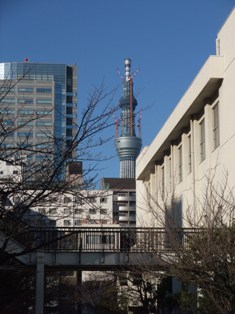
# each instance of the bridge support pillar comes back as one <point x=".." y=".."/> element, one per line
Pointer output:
<point x="39" y="298"/>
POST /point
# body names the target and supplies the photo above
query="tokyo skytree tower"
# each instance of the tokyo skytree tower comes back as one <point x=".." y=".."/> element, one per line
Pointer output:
<point x="127" y="144"/>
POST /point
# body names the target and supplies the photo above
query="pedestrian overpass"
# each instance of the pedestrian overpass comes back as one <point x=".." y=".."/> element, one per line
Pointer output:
<point x="92" y="248"/>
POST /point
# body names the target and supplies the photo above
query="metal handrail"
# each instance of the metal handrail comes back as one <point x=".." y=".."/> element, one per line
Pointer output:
<point x="106" y="239"/>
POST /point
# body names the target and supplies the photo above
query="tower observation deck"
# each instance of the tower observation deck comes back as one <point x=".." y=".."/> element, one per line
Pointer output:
<point x="127" y="144"/>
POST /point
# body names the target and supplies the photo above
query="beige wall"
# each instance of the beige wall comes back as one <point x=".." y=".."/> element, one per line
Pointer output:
<point x="214" y="85"/>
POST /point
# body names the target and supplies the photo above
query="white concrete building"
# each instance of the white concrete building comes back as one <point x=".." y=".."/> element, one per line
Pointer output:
<point x="59" y="209"/>
<point x="83" y="208"/>
<point x="124" y="199"/>
<point x="195" y="146"/>
<point x="10" y="171"/>
<point x="65" y="209"/>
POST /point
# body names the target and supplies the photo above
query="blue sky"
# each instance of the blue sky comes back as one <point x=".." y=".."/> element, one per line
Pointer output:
<point x="167" y="40"/>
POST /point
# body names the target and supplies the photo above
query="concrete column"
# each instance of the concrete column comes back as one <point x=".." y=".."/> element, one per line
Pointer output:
<point x="79" y="290"/>
<point x="39" y="299"/>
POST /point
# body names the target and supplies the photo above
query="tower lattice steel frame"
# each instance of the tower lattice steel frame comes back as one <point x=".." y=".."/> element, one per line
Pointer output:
<point x="127" y="144"/>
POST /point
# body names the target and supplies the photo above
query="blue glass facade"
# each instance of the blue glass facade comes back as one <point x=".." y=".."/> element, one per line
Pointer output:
<point x="60" y="98"/>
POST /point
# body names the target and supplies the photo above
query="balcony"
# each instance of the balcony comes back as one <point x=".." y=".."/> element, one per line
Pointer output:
<point x="123" y="198"/>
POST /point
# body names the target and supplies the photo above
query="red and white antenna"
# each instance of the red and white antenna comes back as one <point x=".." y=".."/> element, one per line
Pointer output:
<point x="128" y="75"/>
<point x="120" y="74"/>
<point x="139" y="123"/>
<point x="129" y="79"/>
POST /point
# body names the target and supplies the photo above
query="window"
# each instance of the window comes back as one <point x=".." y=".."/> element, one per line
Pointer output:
<point x="25" y="123"/>
<point x="16" y="200"/>
<point x="78" y="211"/>
<point x="92" y="210"/>
<point x="7" y="112"/>
<point x="8" y="122"/>
<point x="67" y="200"/>
<point x="9" y="135"/>
<point x="173" y="215"/>
<point x="121" y="204"/>
<point x="202" y="141"/>
<point x="69" y="132"/>
<point x="216" y="141"/>
<point x="43" y="123"/>
<point x="28" y="101"/>
<point x="169" y="173"/>
<point x="103" y="211"/>
<point x="163" y="182"/>
<point x="40" y="157"/>
<point x="66" y="211"/>
<point x="103" y="200"/>
<point x="67" y="222"/>
<point x="180" y="164"/>
<point x="69" y="110"/>
<point x="42" y="211"/>
<point x="91" y="199"/>
<point x="44" y="101"/>
<point x="25" y="111"/>
<point x="69" y="121"/>
<point x="43" y="112"/>
<point x="173" y="219"/>
<point x="177" y="212"/>
<point x="25" y="134"/>
<point x="52" y="211"/>
<point x="42" y="134"/>
<point x="77" y="222"/>
<point x="44" y="90"/>
<point x="189" y="154"/>
<point x="25" y="89"/>
<point x="122" y="194"/>
<point x="8" y="100"/>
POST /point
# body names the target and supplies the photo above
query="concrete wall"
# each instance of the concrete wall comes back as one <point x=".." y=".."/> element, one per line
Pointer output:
<point x="161" y="176"/>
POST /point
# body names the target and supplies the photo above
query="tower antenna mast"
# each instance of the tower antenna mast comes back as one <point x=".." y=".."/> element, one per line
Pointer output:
<point x="129" y="78"/>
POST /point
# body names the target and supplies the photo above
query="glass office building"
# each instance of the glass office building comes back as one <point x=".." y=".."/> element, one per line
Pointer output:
<point x="38" y="106"/>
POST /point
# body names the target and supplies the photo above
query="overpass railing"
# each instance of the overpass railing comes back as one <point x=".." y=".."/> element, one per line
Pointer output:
<point x="106" y="239"/>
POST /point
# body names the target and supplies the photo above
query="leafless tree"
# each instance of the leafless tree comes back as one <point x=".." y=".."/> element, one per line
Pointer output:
<point x="39" y="174"/>
<point x="40" y="171"/>
<point x="99" y="293"/>
<point x="201" y="254"/>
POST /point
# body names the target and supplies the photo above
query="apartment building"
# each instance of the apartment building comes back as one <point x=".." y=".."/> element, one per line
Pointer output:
<point x="196" y="145"/>
<point x="53" y="208"/>
<point x="124" y="199"/>
<point x="9" y="171"/>
<point x="83" y="208"/>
